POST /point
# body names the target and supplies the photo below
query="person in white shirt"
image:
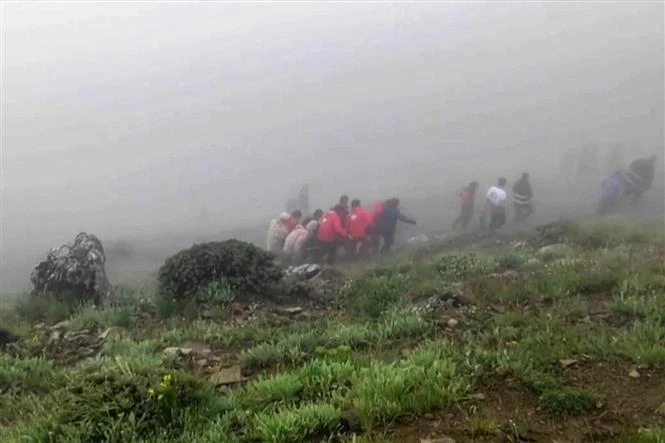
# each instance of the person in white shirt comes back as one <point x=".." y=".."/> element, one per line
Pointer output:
<point x="496" y="205"/>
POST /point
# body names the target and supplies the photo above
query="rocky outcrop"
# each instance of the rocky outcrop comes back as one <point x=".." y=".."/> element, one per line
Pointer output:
<point x="74" y="270"/>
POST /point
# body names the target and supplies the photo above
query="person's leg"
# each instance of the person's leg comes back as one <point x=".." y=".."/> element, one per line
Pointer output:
<point x="501" y="219"/>
<point x="331" y="252"/>
<point x="376" y="243"/>
<point x="458" y="220"/>
<point x="467" y="213"/>
<point x="518" y="213"/>
<point x="388" y="240"/>
<point x="528" y="210"/>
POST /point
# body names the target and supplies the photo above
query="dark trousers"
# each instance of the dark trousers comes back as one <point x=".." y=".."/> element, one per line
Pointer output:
<point x="388" y="240"/>
<point x="327" y="251"/>
<point x="464" y="217"/>
<point x="522" y="212"/>
<point x="497" y="220"/>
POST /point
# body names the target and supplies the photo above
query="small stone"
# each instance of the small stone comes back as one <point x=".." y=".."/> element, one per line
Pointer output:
<point x="112" y="333"/>
<point x="62" y="325"/>
<point x="567" y="362"/>
<point x="55" y="336"/>
<point x="660" y="410"/>
<point x="428" y="416"/>
<point x="198" y="347"/>
<point x="478" y="396"/>
<point x="443" y="439"/>
<point x="521" y="246"/>
<point x="292" y="311"/>
<point x="452" y="323"/>
<point x="227" y="376"/>
<point x="86" y="352"/>
<point x="599" y="405"/>
<point x="202" y="363"/>
<point x="174" y="351"/>
<point x="634" y="374"/>
<point x="40" y="326"/>
<point x="559" y="250"/>
<point x="510" y="275"/>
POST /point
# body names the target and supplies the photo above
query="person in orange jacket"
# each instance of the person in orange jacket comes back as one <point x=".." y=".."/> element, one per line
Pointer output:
<point x="331" y="233"/>
<point x="359" y="222"/>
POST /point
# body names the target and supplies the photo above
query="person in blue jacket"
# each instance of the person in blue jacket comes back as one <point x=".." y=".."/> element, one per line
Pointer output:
<point x="385" y="225"/>
<point x="610" y="196"/>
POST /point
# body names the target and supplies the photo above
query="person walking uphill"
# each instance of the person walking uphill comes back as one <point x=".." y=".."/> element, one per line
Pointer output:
<point x="496" y="205"/>
<point x="330" y="234"/>
<point x="468" y="202"/>
<point x="522" y="195"/>
<point x="385" y="224"/>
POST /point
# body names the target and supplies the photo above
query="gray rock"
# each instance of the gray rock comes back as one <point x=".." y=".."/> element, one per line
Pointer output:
<point x="76" y="269"/>
<point x="558" y="250"/>
<point x="175" y="351"/>
<point x="303" y="272"/>
<point x="292" y="311"/>
<point x="62" y="325"/>
<point x="112" y="333"/>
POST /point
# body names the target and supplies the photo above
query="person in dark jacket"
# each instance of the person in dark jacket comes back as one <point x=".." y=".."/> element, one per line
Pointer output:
<point x="522" y="195"/>
<point x="639" y="177"/>
<point x="610" y="196"/>
<point x="468" y="203"/>
<point x="385" y="225"/>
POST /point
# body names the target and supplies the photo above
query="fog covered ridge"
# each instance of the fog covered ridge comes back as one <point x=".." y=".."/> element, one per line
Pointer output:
<point x="126" y="120"/>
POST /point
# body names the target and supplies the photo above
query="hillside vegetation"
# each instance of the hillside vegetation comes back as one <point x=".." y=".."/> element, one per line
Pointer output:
<point x="559" y="336"/>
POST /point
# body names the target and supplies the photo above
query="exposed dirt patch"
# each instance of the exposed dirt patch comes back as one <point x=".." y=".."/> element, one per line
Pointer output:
<point x="508" y="412"/>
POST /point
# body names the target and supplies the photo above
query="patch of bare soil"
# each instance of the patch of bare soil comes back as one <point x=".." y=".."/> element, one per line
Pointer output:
<point x="505" y="411"/>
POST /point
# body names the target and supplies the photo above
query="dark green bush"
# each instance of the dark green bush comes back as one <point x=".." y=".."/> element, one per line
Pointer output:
<point x="246" y="268"/>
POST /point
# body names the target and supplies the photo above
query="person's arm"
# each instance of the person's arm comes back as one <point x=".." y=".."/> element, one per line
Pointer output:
<point x="405" y="219"/>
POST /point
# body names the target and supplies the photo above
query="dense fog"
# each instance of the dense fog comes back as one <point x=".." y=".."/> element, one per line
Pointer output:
<point x="169" y="123"/>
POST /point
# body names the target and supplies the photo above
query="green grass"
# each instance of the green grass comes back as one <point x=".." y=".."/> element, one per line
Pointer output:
<point x="358" y="374"/>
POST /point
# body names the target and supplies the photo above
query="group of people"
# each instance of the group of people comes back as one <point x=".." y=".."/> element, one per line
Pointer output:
<point x="361" y="233"/>
<point x="495" y="203"/>
<point x="630" y="185"/>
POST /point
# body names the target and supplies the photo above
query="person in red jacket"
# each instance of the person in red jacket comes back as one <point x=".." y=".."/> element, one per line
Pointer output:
<point x="331" y="233"/>
<point x="376" y="210"/>
<point x="468" y="203"/>
<point x="359" y="222"/>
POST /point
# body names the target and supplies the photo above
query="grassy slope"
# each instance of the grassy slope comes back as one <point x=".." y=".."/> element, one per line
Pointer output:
<point x="561" y="349"/>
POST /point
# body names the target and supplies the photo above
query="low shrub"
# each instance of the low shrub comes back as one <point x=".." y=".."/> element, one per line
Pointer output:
<point x="242" y="266"/>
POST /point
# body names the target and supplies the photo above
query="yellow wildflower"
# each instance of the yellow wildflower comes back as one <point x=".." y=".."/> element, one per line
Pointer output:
<point x="151" y="392"/>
